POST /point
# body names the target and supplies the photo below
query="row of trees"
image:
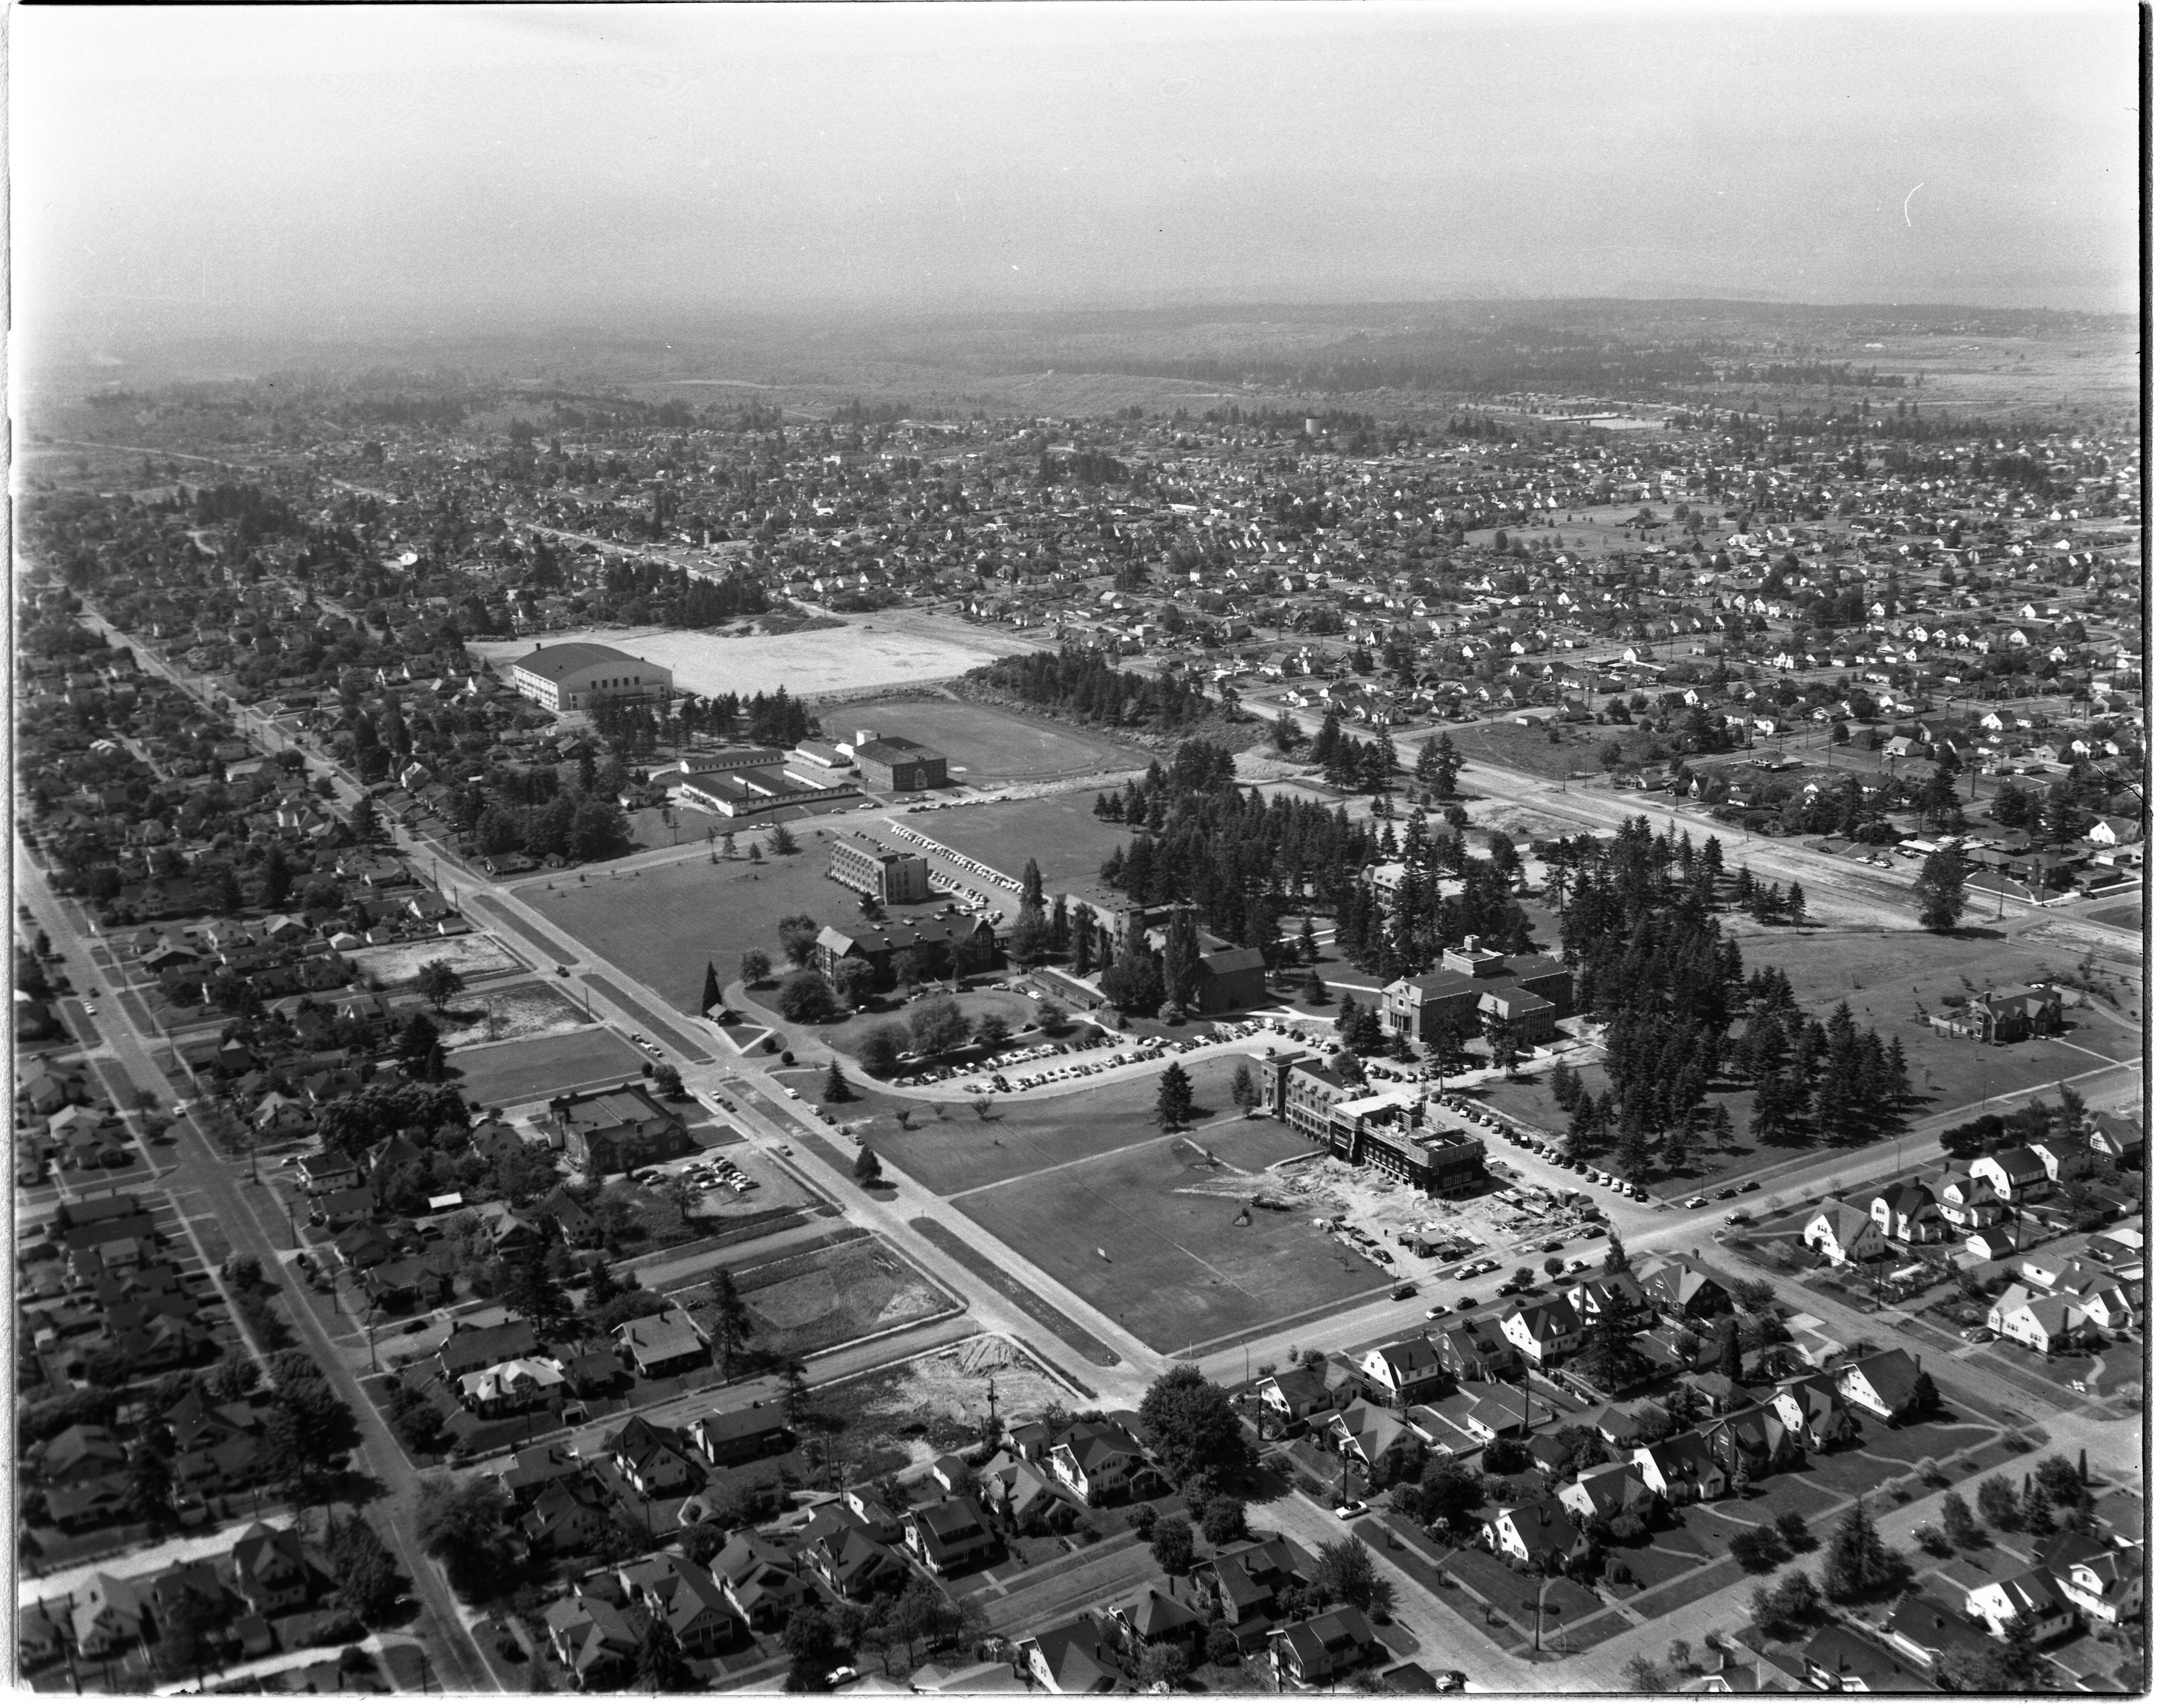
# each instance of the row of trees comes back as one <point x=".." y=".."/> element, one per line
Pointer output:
<point x="1083" y="684"/>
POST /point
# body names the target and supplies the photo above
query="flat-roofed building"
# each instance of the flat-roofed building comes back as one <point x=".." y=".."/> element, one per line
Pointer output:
<point x="892" y="764"/>
<point x="1399" y="1132"/>
<point x="888" y="875"/>
<point x="570" y="675"/>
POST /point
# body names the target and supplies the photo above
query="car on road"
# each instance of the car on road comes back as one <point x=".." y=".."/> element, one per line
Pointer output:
<point x="179" y="1111"/>
<point x="1552" y="1246"/>
<point x="89" y="1008"/>
<point x="1739" y="1219"/>
<point x="1728" y="1192"/>
<point x="1697" y="1202"/>
<point x="1466" y="1302"/>
<point x="1751" y="1186"/>
<point x="560" y="971"/>
<point x="840" y="1676"/>
<point x="1404" y="1289"/>
<point x="1438" y="1311"/>
<point x="1452" y="1681"/>
<point x="1355" y="1509"/>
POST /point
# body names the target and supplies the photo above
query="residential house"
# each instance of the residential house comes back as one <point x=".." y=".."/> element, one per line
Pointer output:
<point x="1608" y="1492"/>
<point x="2015" y="1175"/>
<point x="951" y="1537"/>
<point x="594" y="1641"/>
<point x="1477" y="1350"/>
<point x="758" y="1578"/>
<point x="1681" y="1468"/>
<point x="1406" y="1372"/>
<point x="1906" y="1213"/>
<point x="2107" y="1582"/>
<point x="1682" y="1293"/>
<point x="1324" y="1651"/>
<point x="652" y="1458"/>
<point x="2032" y="1596"/>
<point x="2046" y="1322"/>
<point x="1811" y="1408"/>
<point x="1620" y="1296"/>
<point x="1845" y="1233"/>
<point x="664" y="1344"/>
<point x="1545" y="1330"/>
<point x="1540" y="1533"/>
<point x="1100" y="1463"/>
<point x="1295" y="1394"/>
<point x="1889" y="1385"/>
<point x="737" y="1438"/>
<point x="466" y="1348"/>
<point x="272" y="1572"/>
<point x="1153" y="1617"/>
<point x="1073" y="1659"/>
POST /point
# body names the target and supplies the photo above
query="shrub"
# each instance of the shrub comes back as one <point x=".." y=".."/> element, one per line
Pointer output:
<point x="1932" y="1539"/>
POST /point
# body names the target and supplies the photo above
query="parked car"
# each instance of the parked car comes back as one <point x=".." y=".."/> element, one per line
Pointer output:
<point x="1466" y="1302"/>
<point x="1355" y="1509"/>
<point x="1728" y="1192"/>
<point x="1697" y="1202"/>
<point x="1739" y="1219"/>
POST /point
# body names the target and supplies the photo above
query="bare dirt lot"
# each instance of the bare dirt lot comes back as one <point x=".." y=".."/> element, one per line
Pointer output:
<point x="866" y="653"/>
<point x="475" y="956"/>
<point x="533" y="1010"/>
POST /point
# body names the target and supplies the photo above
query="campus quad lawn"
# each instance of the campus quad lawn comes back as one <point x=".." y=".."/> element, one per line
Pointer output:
<point x="1178" y="1272"/>
<point x="962" y="1151"/>
<point x="1060" y="832"/>
<point x="498" y="1074"/>
<point x="989" y="744"/>
<point x="888" y="1009"/>
<point x="662" y="924"/>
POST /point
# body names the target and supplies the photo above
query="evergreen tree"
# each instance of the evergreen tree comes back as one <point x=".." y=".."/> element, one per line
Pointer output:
<point x="1172" y="1103"/>
<point x="731" y="1328"/>
<point x="1939" y="890"/>
<point x="1857" y="1563"/>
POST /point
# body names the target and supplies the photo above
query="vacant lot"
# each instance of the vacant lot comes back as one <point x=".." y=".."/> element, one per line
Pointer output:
<point x="1891" y="979"/>
<point x="902" y="1418"/>
<point x="503" y="1074"/>
<point x="475" y="956"/>
<point x="533" y="1010"/>
<point x="661" y="924"/>
<point x="962" y="1152"/>
<point x="804" y="1303"/>
<point x="863" y="654"/>
<point x="1149" y="1237"/>
<point x="1060" y="832"/>
<point x="989" y="744"/>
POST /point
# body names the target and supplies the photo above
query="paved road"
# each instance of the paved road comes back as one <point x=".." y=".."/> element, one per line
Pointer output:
<point x="240" y="1214"/>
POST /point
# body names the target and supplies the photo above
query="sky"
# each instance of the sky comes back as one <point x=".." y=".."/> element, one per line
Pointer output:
<point x="384" y="166"/>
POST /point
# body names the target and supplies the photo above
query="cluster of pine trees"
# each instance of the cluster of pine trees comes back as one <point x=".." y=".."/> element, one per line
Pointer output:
<point x="1241" y="860"/>
<point x="1823" y="1083"/>
<point x="681" y="601"/>
<point x="1345" y="763"/>
<point x="1081" y="683"/>
<point x="1637" y="921"/>
<point x="1402" y="935"/>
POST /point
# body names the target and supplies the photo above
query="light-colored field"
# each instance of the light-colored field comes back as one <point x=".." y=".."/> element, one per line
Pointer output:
<point x="524" y="1011"/>
<point x="866" y="653"/>
<point x="399" y="963"/>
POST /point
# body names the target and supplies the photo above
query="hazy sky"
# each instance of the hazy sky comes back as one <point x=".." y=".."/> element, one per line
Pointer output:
<point x="343" y="166"/>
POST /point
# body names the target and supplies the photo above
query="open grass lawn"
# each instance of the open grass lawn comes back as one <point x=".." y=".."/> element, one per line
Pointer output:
<point x="803" y="1303"/>
<point x="1876" y="971"/>
<point x="661" y="924"/>
<point x="498" y="1074"/>
<point x="1670" y="1597"/>
<point x="991" y="744"/>
<point x="962" y="1152"/>
<point x="1177" y="1272"/>
<point x="1941" y="1439"/>
<point x="1652" y="1565"/>
<point x="1504" y="743"/>
<point x="1060" y="832"/>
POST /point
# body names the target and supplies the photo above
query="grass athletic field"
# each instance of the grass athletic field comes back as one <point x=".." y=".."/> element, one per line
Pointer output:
<point x="1058" y="831"/>
<point x="989" y="744"/>
<point x="1179" y="1272"/>
<point x="498" y="1074"/>
<point x="962" y="1151"/>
